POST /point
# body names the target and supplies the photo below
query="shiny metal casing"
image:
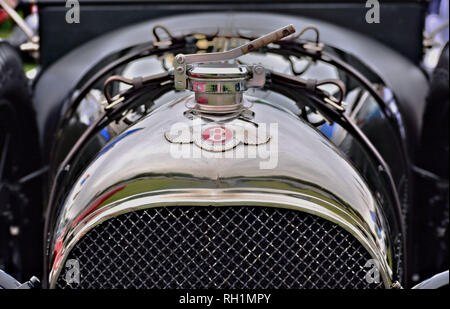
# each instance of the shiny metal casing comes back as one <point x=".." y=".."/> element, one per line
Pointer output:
<point x="138" y="170"/>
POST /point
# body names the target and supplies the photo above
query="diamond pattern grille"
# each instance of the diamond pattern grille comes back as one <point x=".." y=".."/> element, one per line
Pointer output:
<point x="219" y="247"/>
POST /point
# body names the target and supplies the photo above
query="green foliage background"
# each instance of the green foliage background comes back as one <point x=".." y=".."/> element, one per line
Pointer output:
<point x="6" y="29"/>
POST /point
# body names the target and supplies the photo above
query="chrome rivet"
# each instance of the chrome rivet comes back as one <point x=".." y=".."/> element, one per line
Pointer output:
<point x="180" y="59"/>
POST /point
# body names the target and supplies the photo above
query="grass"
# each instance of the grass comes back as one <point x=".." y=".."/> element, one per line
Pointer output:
<point x="6" y="28"/>
<point x="4" y="33"/>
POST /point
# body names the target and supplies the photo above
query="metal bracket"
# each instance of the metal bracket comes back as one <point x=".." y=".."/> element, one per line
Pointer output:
<point x="258" y="79"/>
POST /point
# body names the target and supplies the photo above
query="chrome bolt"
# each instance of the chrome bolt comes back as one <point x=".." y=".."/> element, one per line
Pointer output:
<point x="180" y="59"/>
<point x="396" y="285"/>
<point x="180" y="69"/>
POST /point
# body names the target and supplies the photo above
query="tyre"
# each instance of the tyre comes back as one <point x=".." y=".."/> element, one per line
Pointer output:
<point x="20" y="198"/>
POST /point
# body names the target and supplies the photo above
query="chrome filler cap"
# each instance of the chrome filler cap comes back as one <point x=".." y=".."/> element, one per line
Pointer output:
<point x="219" y="85"/>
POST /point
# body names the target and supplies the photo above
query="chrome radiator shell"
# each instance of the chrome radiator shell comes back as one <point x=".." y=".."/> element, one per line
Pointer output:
<point x="136" y="171"/>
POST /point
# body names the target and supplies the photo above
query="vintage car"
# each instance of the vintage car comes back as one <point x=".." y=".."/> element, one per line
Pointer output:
<point x="223" y="145"/>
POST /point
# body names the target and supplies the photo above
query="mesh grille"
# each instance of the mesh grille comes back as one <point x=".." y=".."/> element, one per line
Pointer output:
<point x="219" y="247"/>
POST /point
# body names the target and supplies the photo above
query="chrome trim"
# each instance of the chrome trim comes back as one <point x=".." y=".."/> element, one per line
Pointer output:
<point x="436" y="282"/>
<point x="228" y="197"/>
<point x="135" y="170"/>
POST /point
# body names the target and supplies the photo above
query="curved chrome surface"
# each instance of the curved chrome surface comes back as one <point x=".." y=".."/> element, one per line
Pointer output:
<point x="436" y="282"/>
<point x="303" y="171"/>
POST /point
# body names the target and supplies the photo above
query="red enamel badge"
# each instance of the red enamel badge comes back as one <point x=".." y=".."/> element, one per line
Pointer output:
<point x="217" y="134"/>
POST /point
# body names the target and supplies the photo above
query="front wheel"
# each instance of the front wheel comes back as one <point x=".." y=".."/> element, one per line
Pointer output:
<point x="20" y="196"/>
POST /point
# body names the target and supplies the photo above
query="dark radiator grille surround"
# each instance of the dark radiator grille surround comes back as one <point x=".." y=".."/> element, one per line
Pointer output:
<point x="219" y="247"/>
